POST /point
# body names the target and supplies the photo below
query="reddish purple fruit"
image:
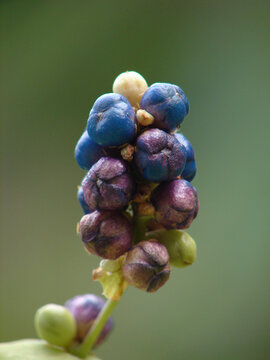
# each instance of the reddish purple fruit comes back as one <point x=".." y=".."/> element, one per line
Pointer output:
<point x="108" y="185"/>
<point x="176" y="204"/>
<point x="147" y="266"/>
<point x="106" y="233"/>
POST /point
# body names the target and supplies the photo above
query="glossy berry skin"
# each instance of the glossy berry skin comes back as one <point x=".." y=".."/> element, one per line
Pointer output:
<point x="111" y="121"/>
<point x="176" y="204"/>
<point x="108" y="185"/>
<point x="86" y="208"/>
<point x="189" y="171"/>
<point x="147" y="266"/>
<point x="87" y="152"/>
<point x="159" y="156"/>
<point x="106" y="233"/>
<point x="85" y="309"/>
<point x="167" y="103"/>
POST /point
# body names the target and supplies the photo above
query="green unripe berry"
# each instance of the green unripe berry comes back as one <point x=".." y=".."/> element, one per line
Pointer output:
<point x="181" y="247"/>
<point x="55" y="324"/>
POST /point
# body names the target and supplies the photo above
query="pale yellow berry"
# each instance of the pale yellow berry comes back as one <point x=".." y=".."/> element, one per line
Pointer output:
<point x="131" y="85"/>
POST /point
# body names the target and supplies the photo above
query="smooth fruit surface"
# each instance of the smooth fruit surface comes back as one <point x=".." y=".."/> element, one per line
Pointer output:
<point x="189" y="171"/>
<point x="131" y="85"/>
<point x="87" y="152"/>
<point x="55" y="324"/>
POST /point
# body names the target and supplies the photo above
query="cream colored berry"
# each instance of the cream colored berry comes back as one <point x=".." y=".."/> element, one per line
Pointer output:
<point x="144" y="118"/>
<point x="131" y="85"/>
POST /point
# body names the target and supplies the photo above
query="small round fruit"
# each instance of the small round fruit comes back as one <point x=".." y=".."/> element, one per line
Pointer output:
<point x="87" y="152"/>
<point x="176" y="204"/>
<point x="189" y="171"/>
<point x="80" y="196"/>
<point x="108" y="185"/>
<point x="181" y="247"/>
<point x="146" y="266"/>
<point x="167" y="103"/>
<point x="107" y="234"/>
<point x="159" y="156"/>
<point x="55" y="324"/>
<point x="111" y="121"/>
<point x="85" y="309"/>
<point x="131" y="85"/>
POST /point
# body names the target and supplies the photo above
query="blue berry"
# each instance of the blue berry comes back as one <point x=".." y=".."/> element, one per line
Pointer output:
<point x="167" y="103"/>
<point x="112" y="121"/>
<point x="159" y="156"/>
<point x="189" y="171"/>
<point x="87" y="152"/>
<point x="86" y="208"/>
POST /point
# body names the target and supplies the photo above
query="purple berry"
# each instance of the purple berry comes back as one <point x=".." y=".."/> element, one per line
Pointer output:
<point x="85" y="309"/>
<point x="159" y="156"/>
<point x="147" y="266"/>
<point x="108" y="185"/>
<point x="167" y="103"/>
<point x="106" y="233"/>
<point x="176" y="204"/>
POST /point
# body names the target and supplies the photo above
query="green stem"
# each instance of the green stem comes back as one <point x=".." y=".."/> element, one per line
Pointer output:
<point x="86" y="346"/>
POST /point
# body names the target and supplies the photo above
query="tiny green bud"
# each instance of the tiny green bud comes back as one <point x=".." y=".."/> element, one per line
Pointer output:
<point x="55" y="324"/>
<point x="110" y="265"/>
<point x="109" y="274"/>
<point x="181" y="247"/>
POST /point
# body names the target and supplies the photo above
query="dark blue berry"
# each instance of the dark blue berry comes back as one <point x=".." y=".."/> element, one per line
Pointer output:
<point x="112" y="121"/>
<point x="86" y="208"/>
<point x="189" y="171"/>
<point x="167" y="103"/>
<point x="87" y="152"/>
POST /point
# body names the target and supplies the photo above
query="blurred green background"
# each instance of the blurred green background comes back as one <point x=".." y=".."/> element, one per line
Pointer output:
<point x="57" y="57"/>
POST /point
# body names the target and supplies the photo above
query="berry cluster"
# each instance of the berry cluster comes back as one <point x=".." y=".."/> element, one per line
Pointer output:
<point x="137" y="199"/>
<point x="137" y="189"/>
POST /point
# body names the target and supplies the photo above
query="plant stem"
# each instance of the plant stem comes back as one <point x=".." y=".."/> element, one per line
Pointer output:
<point x="85" y="347"/>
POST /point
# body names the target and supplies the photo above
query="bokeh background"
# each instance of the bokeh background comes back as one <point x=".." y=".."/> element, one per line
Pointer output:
<point x="57" y="57"/>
